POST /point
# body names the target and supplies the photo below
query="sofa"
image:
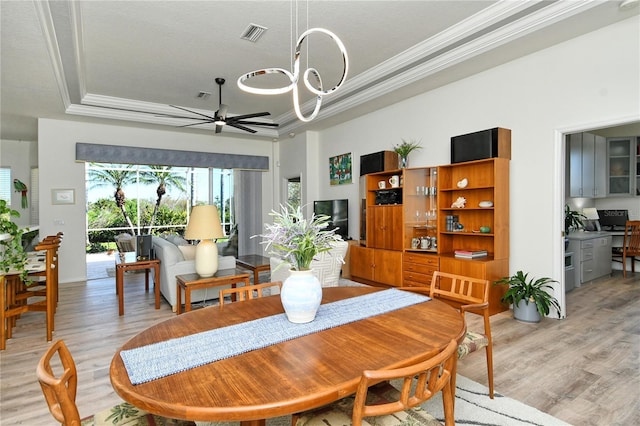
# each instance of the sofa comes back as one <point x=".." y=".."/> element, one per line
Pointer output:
<point x="326" y="266"/>
<point x="176" y="257"/>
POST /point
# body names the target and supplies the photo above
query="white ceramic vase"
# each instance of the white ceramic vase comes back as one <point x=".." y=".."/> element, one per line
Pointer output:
<point x="301" y="295"/>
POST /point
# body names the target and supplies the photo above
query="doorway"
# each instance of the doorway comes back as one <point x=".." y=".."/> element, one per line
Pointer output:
<point x="624" y="126"/>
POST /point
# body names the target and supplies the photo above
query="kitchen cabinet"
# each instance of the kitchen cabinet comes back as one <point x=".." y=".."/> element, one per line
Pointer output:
<point x="593" y="251"/>
<point x="587" y="165"/>
<point x="623" y="167"/>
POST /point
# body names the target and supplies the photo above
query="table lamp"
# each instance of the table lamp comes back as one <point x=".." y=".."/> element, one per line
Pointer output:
<point x="204" y="225"/>
<point x="592" y="219"/>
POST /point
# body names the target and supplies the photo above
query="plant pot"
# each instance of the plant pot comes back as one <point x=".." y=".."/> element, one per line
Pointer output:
<point x="403" y="162"/>
<point x="301" y="295"/>
<point x="526" y="312"/>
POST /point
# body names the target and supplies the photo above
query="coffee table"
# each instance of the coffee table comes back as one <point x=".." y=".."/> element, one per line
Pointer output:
<point x="190" y="282"/>
<point x="255" y="263"/>
<point x="127" y="261"/>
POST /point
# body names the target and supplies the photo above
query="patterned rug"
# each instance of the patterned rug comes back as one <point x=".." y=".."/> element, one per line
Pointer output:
<point x="473" y="407"/>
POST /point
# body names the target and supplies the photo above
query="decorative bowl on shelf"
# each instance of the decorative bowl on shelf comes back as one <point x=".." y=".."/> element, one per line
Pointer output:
<point x="485" y="204"/>
<point x="462" y="183"/>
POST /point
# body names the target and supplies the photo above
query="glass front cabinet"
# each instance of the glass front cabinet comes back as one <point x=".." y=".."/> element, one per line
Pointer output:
<point x="623" y="163"/>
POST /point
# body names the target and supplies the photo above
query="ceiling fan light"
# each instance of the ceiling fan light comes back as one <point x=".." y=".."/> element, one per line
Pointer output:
<point x="220" y="122"/>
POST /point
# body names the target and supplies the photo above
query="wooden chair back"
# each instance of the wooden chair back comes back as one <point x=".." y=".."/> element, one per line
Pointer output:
<point x="631" y="245"/>
<point x="247" y="292"/>
<point x="60" y="391"/>
<point x="433" y="375"/>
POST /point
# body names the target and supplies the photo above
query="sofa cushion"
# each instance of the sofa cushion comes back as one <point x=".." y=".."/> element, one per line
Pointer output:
<point x="188" y="251"/>
<point x="175" y="239"/>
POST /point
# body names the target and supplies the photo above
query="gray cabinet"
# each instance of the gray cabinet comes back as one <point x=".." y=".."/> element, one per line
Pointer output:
<point x="587" y="165"/>
<point x="622" y="166"/>
<point x="593" y="258"/>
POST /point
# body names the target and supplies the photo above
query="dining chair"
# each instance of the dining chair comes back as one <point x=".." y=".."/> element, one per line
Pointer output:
<point x="630" y="245"/>
<point x="247" y="292"/>
<point x="60" y="395"/>
<point x="392" y="405"/>
<point x="467" y="294"/>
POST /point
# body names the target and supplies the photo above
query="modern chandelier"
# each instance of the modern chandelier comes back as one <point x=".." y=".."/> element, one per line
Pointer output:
<point x="293" y="77"/>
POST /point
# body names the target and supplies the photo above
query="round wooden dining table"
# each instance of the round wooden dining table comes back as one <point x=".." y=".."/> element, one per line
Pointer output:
<point x="288" y="377"/>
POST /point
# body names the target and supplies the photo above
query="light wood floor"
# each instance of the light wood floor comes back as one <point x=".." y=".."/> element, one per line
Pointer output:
<point x="584" y="370"/>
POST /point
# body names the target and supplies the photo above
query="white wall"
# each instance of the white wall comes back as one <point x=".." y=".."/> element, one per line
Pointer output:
<point x="58" y="169"/>
<point x="590" y="79"/>
<point x="20" y="156"/>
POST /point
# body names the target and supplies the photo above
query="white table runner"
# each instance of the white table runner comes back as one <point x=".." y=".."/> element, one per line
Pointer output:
<point x="162" y="359"/>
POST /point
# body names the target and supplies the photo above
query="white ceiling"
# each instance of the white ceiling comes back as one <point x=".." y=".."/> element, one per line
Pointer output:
<point x="129" y="60"/>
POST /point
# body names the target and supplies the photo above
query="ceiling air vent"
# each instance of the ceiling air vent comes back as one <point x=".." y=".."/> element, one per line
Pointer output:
<point x="253" y="32"/>
<point x="203" y="95"/>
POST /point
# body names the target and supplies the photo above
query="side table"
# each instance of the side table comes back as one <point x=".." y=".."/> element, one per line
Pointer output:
<point x="190" y="282"/>
<point x="255" y="263"/>
<point x="127" y="262"/>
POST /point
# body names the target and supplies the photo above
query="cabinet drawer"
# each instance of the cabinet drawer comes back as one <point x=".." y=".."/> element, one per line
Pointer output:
<point x="586" y="255"/>
<point x="409" y="283"/>
<point x="588" y="271"/>
<point x="419" y="268"/>
<point x="586" y="244"/>
<point x="423" y="259"/>
<point x="420" y="279"/>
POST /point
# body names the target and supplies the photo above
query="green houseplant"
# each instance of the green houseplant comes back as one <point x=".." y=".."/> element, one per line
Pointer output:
<point x="529" y="297"/>
<point x="404" y="149"/>
<point x="12" y="254"/>
<point x="572" y="220"/>
<point x="298" y="240"/>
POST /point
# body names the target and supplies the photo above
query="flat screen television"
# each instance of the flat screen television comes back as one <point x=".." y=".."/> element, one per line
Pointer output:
<point x="338" y="211"/>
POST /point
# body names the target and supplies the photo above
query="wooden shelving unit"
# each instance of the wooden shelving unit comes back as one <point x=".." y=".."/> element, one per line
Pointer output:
<point x="486" y="180"/>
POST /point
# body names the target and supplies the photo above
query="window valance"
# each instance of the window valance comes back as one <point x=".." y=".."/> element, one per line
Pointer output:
<point x="119" y="154"/>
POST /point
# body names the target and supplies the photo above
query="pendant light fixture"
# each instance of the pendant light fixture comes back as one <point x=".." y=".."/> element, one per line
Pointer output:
<point x="294" y="76"/>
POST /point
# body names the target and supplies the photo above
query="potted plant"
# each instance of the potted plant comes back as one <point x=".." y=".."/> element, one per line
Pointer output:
<point x="572" y="220"/>
<point x="529" y="297"/>
<point x="12" y="254"/>
<point x="297" y="240"/>
<point x="404" y="149"/>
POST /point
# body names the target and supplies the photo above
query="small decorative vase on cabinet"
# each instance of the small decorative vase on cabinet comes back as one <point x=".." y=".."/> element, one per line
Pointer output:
<point x="301" y="296"/>
<point x="403" y="162"/>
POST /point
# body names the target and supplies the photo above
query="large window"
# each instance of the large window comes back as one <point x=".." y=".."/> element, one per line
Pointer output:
<point x="141" y="199"/>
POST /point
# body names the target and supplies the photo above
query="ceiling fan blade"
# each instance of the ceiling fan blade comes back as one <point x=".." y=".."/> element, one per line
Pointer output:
<point x="192" y="112"/>
<point x="242" y="117"/>
<point x="257" y="123"/>
<point x="241" y="127"/>
<point x="179" y="116"/>
<point x="222" y="111"/>
<point x="197" y="124"/>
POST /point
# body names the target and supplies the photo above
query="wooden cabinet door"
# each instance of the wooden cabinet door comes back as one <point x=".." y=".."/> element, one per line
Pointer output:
<point x="388" y="267"/>
<point x="361" y="262"/>
<point x="385" y="231"/>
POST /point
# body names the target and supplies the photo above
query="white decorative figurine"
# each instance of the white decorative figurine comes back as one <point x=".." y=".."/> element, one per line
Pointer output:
<point x="463" y="183"/>
<point x="459" y="203"/>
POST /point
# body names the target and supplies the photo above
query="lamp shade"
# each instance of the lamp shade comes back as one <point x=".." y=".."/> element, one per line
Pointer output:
<point x="204" y="224"/>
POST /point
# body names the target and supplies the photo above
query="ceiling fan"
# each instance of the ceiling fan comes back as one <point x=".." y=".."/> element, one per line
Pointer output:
<point x="220" y="118"/>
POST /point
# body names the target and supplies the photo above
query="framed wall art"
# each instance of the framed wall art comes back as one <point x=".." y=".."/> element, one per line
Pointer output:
<point x="340" y="169"/>
<point x="63" y="196"/>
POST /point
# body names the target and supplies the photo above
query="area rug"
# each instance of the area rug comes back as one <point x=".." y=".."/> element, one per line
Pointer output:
<point x="473" y="407"/>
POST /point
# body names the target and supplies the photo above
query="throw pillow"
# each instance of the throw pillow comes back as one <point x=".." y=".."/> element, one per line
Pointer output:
<point x="188" y="251"/>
